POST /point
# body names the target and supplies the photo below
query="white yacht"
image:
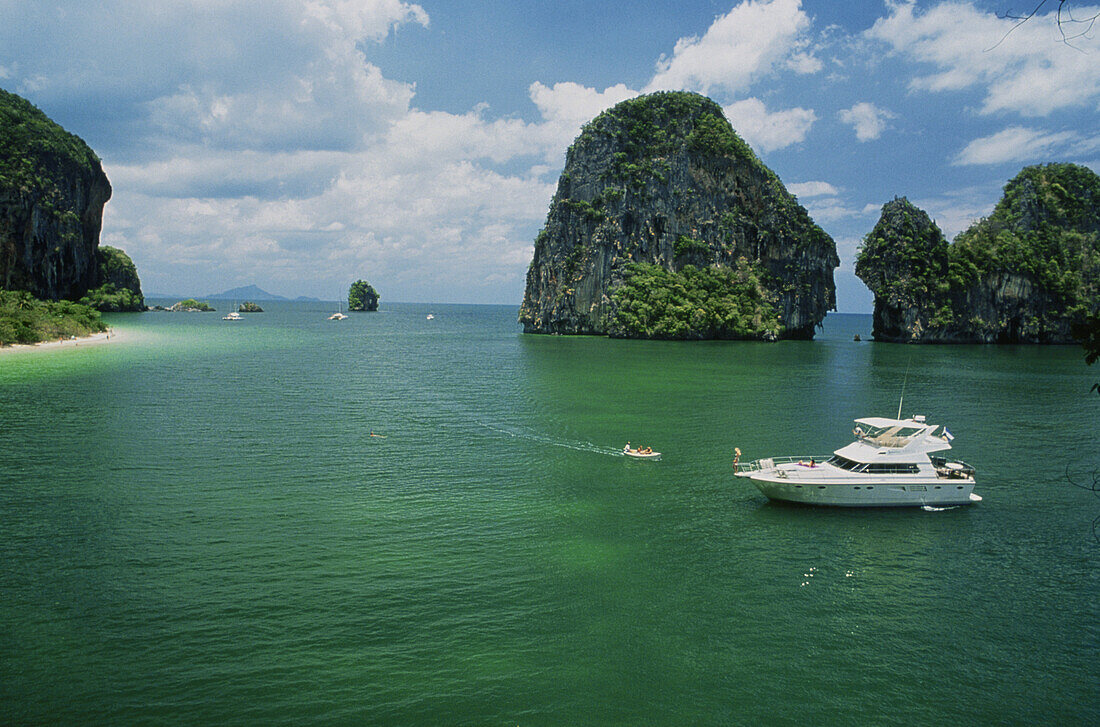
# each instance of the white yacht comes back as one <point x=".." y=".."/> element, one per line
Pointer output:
<point x="890" y="463"/>
<point x="232" y="316"/>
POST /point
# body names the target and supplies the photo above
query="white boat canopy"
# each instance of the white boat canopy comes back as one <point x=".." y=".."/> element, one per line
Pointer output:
<point x="895" y="436"/>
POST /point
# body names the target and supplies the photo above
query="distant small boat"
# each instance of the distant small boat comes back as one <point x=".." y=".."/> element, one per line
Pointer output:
<point x="641" y="453"/>
<point x="431" y="317"/>
<point x="337" y="317"/>
<point x="232" y="316"/>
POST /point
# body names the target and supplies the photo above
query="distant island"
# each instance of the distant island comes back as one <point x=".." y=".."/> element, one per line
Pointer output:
<point x="249" y="307"/>
<point x="665" y="224"/>
<point x="362" y="296"/>
<point x="1028" y="273"/>
<point x="192" y="306"/>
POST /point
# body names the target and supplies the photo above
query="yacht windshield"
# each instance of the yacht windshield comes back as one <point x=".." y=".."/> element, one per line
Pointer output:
<point x="896" y="436"/>
<point x="887" y="468"/>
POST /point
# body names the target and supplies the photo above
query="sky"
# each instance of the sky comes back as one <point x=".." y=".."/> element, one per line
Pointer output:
<point x="299" y="145"/>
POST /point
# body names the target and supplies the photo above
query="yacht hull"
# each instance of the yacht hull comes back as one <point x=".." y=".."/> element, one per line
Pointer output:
<point x="877" y="495"/>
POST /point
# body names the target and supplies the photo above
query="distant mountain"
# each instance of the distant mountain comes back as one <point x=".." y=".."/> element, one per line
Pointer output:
<point x="248" y="292"/>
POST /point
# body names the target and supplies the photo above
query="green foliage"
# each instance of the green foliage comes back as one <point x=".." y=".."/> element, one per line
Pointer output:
<point x="686" y="245"/>
<point x="1044" y="232"/>
<point x="119" y="288"/>
<point x="1087" y="331"/>
<point x="108" y="298"/>
<point x="193" y="304"/>
<point x="1062" y="195"/>
<point x="576" y="257"/>
<point x="611" y="195"/>
<point x="694" y="303"/>
<point x="585" y="209"/>
<point x="905" y="257"/>
<point x="25" y="319"/>
<point x="249" y="307"/>
<point x="714" y="136"/>
<point x="362" y="297"/>
<point x="648" y="129"/>
<point x="116" y="266"/>
<point x="1047" y="228"/>
<point x="35" y="151"/>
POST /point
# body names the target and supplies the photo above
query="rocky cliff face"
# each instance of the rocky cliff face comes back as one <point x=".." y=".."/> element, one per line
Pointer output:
<point x="660" y="189"/>
<point x="52" y="193"/>
<point x="1028" y="273"/>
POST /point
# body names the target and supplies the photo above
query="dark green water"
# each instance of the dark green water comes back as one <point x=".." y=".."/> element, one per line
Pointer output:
<point x="196" y="527"/>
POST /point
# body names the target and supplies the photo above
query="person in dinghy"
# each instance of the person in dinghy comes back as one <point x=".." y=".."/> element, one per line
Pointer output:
<point x="640" y="452"/>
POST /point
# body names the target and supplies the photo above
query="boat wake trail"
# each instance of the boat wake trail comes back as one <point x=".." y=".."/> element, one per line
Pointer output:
<point x="580" y="446"/>
<point x="930" y="508"/>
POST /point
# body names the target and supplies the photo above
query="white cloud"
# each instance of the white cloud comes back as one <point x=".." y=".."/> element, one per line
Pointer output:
<point x="805" y="190"/>
<point x="1021" y="68"/>
<point x="565" y="107"/>
<point x="868" y="120"/>
<point x="365" y="20"/>
<point x="956" y="210"/>
<point x="768" y="131"/>
<point x="573" y="104"/>
<point x="804" y="63"/>
<point x="270" y="143"/>
<point x="746" y="43"/>
<point x="233" y="74"/>
<point x="1014" y="144"/>
<point x="830" y="209"/>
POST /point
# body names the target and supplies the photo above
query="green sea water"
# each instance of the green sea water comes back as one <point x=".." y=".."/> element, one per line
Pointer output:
<point x="197" y="527"/>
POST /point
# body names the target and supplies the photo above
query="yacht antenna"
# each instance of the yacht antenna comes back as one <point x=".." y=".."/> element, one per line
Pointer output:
<point x="900" y="400"/>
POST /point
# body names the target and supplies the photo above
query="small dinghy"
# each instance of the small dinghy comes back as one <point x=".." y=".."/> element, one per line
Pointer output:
<point x="641" y="453"/>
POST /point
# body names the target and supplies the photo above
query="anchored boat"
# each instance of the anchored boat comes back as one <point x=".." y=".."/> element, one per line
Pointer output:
<point x="890" y="463"/>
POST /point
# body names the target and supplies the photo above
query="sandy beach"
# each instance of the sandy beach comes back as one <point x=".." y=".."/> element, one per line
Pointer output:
<point x="96" y="339"/>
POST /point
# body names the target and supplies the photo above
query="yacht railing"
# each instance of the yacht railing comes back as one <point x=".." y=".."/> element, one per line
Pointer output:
<point x="768" y="463"/>
<point x="951" y="469"/>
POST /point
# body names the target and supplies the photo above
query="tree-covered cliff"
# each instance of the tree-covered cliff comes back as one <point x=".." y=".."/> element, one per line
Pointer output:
<point x="666" y="225"/>
<point x="904" y="261"/>
<point x="52" y="192"/>
<point x="362" y="296"/>
<point x="119" y="287"/>
<point x="1028" y="273"/>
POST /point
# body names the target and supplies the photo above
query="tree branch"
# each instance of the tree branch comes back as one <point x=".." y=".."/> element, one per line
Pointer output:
<point x="1063" y="17"/>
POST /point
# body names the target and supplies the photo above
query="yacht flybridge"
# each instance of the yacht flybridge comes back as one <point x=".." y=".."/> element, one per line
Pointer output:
<point x="890" y="463"/>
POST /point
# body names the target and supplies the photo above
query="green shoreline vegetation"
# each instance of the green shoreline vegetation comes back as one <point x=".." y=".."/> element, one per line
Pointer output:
<point x="695" y="303"/>
<point x="25" y="319"/>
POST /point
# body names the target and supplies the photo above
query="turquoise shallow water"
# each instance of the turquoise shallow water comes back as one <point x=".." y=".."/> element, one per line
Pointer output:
<point x="197" y="527"/>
